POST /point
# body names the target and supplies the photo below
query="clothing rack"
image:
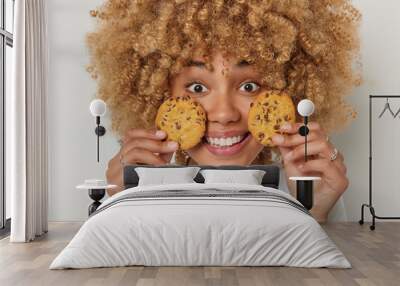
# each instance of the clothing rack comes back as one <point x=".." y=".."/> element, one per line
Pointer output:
<point x="370" y="204"/>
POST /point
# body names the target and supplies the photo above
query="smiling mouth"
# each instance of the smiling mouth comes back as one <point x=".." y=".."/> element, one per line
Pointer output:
<point x="225" y="142"/>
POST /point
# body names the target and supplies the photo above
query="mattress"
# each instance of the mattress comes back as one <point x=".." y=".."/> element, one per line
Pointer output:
<point x="197" y="224"/>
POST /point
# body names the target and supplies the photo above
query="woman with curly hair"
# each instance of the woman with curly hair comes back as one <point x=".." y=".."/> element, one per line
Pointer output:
<point x="223" y="53"/>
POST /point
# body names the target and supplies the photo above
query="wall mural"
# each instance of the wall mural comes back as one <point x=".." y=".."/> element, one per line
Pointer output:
<point x="219" y="84"/>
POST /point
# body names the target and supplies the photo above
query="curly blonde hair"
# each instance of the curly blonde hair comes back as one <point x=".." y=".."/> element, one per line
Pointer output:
<point x="307" y="48"/>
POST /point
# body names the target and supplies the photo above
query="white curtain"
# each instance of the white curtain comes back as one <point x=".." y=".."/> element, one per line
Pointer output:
<point x="26" y="119"/>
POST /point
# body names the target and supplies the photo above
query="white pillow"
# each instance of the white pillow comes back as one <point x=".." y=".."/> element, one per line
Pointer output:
<point x="249" y="177"/>
<point x="163" y="176"/>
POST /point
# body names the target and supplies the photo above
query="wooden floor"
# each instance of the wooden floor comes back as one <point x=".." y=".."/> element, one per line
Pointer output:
<point x="374" y="255"/>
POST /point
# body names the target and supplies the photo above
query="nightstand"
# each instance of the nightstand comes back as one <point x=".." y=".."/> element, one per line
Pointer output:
<point x="96" y="189"/>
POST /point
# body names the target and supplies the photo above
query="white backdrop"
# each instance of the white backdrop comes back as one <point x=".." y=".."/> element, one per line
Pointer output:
<point x="72" y="140"/>
<point x="386" y="156"/>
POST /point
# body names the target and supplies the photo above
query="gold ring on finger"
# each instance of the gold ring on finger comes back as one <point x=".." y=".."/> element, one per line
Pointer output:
<point x="334" y="154"/>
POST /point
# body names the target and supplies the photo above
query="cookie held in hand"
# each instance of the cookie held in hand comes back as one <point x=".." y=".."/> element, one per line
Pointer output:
<point x="183" y="119"/>
<point x="267" y="113"/>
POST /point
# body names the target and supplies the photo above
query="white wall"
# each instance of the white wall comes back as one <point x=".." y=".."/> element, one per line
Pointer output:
<point x="380" y="33"/>
<point x="72" y="139"/>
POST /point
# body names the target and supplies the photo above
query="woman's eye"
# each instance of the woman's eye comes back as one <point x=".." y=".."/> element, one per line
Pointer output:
<point x="249" y="87"/>
<point x="197" y="88"/>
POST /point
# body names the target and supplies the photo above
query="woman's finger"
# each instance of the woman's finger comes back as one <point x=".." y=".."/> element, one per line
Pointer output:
<point x="134" y="156"/>
<point x="144" y="133"/>
<point x="292" y="128"/>
<point x="142" y="156"/>
<point x="292" y="140"/>
<point x="316" y="147"/>
<point x="149" y="144"/>
<point x="322" y="148"/>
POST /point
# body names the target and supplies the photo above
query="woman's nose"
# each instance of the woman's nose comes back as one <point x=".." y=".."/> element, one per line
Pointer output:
<point x="222" y="110"/>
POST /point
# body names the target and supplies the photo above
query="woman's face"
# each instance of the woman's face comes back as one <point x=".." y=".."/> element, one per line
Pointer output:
<point x="225" y="94"/>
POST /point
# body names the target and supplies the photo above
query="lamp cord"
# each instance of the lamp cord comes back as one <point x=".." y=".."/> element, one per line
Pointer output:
<point x="98" y="144"/>
<point x="98" y="130"/>
<point x="305" y="146"/>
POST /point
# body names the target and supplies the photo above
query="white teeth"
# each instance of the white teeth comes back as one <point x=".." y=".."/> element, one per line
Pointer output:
<point x="227" y="141"/>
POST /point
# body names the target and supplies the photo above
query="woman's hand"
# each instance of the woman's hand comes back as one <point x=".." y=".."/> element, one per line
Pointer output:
<point x="333" y="181"/>
<point x="139" y="146"/>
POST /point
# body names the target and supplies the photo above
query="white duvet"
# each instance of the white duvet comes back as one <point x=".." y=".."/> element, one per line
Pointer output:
<point x="182" y="231"/>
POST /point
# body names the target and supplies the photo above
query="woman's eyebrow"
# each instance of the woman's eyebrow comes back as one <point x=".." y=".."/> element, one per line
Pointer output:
<point x="192" y="63"/>
<point x="242" y="63"/>
<point x="200" y="64"/>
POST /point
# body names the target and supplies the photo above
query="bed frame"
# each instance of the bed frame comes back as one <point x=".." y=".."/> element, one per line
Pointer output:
<point x="131" y="178"/>
<point x="270" y="179"/>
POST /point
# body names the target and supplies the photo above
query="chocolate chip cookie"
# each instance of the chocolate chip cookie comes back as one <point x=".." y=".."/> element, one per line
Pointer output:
<point x="267" y="113"/>
<point x="183" y="119"/>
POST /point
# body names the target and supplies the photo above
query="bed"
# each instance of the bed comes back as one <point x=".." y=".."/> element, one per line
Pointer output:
<point x="201" y="223"/>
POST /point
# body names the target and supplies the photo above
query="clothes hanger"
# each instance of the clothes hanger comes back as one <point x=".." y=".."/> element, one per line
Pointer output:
<point x="398" y="111"/>
<point x="387" y="106"/>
